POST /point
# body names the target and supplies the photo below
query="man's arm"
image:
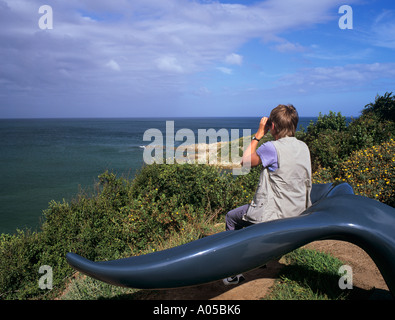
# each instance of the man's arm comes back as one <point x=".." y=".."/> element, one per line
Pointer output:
<point x="250" y="156"/>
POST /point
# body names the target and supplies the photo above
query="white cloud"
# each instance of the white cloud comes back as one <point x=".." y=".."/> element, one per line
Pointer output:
<point x="202" y="91"/>
<point x="338" y="77"/>
<point x="234" y="58"/>
<point x="382" y="32"/>
<point x="324" y="54"/>
<point x="286" y="46"/>
<point x="225" y="70"/>
<point x="168" y="63"/>
<point x="113" y="65"/>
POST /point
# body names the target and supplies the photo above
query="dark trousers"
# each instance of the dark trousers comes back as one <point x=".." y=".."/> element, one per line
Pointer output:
<point x="234" y="218"/>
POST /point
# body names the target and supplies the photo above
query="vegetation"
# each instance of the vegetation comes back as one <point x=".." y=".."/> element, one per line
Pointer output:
<point x="169" y="204"/>
<point x="383" y="107"/>
<point x="308" y="275"/>
<point x="370" y="172"/>
<point x="360" y="153"/>
<point x="331" y="140"/>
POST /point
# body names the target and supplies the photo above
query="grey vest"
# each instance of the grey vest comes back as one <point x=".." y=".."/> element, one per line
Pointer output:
<point x="285" y="192"/>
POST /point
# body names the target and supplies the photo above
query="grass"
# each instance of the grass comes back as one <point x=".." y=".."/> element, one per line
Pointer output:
<point x="308" y="275"/>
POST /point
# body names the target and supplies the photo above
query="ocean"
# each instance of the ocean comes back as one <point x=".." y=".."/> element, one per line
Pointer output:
<point x="53" y="159"/>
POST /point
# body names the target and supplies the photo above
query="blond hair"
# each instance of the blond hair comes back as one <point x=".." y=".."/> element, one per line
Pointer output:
<point x="285" y="119"/>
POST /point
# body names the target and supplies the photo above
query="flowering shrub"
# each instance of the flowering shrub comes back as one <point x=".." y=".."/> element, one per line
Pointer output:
<point x="331" y="141"/>
<point x="370" y="171"/>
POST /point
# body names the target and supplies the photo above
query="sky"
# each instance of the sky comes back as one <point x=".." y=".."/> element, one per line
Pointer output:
<point x="184" y="58"/>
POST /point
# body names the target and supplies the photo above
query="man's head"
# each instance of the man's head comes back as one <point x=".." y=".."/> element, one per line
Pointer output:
<point x="283" y="121"/>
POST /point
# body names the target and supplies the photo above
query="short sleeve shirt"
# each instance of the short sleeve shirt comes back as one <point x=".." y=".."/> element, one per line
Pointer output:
<point x="268" y="154"/>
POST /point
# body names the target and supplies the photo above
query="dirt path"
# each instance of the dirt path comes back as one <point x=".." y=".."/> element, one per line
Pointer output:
<point x="366" y="277"/>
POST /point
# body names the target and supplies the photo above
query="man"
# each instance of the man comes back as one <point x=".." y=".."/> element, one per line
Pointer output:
<point x="285" y="181"/>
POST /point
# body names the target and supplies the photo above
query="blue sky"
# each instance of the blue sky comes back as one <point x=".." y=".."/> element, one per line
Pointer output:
<point x="169" y="58"/>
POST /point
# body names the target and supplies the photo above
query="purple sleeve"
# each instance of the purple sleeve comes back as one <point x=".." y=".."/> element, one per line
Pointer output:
<point x="268" y="154"/>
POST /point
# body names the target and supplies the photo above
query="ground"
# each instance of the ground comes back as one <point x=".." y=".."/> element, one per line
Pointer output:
<point x="367" y="280"/>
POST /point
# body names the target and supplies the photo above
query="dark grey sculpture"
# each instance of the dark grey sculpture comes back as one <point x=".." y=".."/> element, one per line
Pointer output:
<point x="336" y="214"/>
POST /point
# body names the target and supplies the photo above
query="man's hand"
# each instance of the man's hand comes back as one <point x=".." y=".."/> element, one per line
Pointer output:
<point x="263" y="128"/>
<point x="250" y="157"/>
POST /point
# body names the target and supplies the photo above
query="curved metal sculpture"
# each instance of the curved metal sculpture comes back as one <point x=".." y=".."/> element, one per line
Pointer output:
<point x="336" y="214"/>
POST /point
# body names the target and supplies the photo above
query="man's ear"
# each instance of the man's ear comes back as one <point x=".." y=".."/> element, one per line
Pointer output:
<point x="272" y="126"/>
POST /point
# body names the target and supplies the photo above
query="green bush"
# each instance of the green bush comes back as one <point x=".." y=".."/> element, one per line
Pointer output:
<point x="325" y="139"/>
<point x="369" y="171"/>
<point x="190" y="183"/>
<point x="383" y="107"/>
<point x="203" y="186"/>
<point x="331" y="140"/>
<point x="167" y="196"/>
<point x="19" y="265"/>
<point x="333" y="121"/>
